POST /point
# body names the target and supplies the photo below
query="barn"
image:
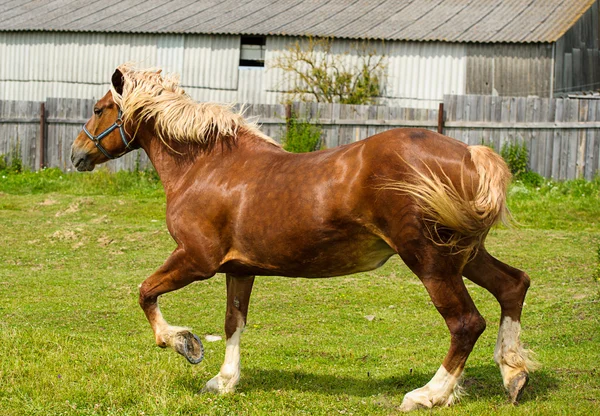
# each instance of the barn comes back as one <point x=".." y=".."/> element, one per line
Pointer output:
<point x="224" y="50"/>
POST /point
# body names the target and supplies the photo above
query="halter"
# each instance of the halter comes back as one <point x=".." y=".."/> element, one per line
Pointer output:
<point x="96" y="139"/>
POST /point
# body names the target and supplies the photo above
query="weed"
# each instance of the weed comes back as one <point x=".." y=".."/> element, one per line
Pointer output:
<point x="301" y="136"/>
<point x="12" y="162"/>
<point x="516" y="157"/>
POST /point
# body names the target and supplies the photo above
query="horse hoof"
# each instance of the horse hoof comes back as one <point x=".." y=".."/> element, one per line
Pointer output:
<point x="517" y="386"/>
<point x="190" y="346"/>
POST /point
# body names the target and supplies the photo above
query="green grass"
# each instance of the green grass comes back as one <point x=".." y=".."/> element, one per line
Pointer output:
<point x="73" y="340"/>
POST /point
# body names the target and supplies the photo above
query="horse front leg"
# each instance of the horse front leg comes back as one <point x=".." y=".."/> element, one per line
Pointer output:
<point x="239" y="289"/>
<point x="177" y="272"/>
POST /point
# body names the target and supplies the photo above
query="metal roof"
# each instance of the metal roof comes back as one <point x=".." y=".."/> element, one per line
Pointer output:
<point x="485" y="21"/>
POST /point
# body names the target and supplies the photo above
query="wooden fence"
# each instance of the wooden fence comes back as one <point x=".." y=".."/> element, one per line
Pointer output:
<point x="562" y="135"/>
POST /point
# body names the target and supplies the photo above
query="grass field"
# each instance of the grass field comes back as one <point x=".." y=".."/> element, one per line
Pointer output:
<point x="73" y="340"/>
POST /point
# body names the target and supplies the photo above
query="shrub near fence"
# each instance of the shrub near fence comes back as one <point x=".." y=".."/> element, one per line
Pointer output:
<point x="562" y="135"/>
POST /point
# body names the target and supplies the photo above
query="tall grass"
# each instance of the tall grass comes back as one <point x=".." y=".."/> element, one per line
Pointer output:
<point x="98" y="182"/>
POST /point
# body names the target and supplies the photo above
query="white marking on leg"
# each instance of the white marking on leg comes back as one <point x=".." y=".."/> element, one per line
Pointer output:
<point x="165" y="334"/>
<point x="509" y="354"/>
<point x="229" y="376"/>
<point x="442" y="390"/>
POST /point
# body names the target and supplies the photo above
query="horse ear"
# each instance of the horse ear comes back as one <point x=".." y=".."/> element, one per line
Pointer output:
<point x="117" y="81"/>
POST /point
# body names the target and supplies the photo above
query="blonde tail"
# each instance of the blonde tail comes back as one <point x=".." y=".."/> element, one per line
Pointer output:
<point x="456" y="218"/>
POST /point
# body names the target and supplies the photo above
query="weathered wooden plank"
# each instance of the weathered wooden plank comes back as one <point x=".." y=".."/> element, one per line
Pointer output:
<point x="581" y="139"/>
<point x="332" y="136"/>
<point x="530" y="137"/>
<point x="556" y="146"/>
<point x="569" y="146"/>
<point x="588" y="152"/>
<point x="595" y="159"/>
<point x="559" y="65"/>
<point x="578" y="76"/>
<point x="568" y="73"/>
<point x="505" y="119"/>
<point x="372" y="114"/>
<point x="383" y="115"/>
<point x="486" y="117"/>
<point x="539" y="139"/>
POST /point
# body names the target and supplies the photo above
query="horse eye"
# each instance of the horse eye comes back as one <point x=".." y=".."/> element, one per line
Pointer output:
<point x="98" y="111"/>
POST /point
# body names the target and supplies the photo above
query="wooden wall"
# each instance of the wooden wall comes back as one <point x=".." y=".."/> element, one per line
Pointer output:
<point x="562" y="135"/>
<point x="577" y="56"/>
<point x="516" y="70"/>
<point x="62" y="121"/>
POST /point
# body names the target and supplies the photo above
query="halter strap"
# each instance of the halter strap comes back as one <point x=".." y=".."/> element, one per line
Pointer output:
<point x="118" y="124"/>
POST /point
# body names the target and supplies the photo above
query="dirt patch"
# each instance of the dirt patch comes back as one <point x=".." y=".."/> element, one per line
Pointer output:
<point x="105" y="241"/>
<point x="64" y="235"/>
<point x="48" y="202"/>
<point x="100" y="220"/>
<point x="73" y="208"/>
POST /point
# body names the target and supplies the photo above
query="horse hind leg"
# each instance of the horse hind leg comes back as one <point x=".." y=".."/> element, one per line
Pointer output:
<point x="239" y="289"/>
<point x="171" y="276"/>
<point x="509" y="286"/>
<point x="443" y="281"/>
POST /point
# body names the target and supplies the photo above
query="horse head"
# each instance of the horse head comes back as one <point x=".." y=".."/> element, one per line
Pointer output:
<point x="103" y="136"/>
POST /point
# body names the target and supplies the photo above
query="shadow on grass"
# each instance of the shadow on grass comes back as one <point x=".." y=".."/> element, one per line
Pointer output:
<point x="480" y="382"/>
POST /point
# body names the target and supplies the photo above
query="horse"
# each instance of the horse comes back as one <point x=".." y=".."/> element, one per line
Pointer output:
<point x="238" y="204"/>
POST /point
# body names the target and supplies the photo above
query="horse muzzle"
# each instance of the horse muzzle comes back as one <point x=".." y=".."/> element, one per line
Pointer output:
<point x="81" y="160"/>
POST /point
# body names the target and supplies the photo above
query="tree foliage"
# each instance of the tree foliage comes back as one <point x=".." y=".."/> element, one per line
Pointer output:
<point x="315" y="73"/>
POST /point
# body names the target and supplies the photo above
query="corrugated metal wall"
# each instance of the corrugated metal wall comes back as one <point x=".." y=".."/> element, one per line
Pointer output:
<point x="421" y="73"/>
<point x="38" y="65"/>
<point x="35" y="66"/>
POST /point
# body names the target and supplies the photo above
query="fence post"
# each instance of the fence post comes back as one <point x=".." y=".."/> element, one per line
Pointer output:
<point x="440" y="127"/>
<point x="42" y="136"/>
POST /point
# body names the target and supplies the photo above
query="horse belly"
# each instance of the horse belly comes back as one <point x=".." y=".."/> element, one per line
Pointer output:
<point x="325" y="259"/>
<point x="351" y="258"/>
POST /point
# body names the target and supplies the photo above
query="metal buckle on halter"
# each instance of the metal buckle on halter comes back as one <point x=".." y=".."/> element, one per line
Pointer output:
<point x="118" y="124"/>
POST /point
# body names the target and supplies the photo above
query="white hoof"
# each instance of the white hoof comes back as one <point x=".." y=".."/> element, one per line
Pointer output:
<point x="423" y="398"/>
<point x="442" y="390"/>
<point x="221" y="385"/>
<point x="410" y="403"/>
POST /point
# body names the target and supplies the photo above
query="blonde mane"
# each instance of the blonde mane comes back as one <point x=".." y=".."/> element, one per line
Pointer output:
<point x="149" y="95"/>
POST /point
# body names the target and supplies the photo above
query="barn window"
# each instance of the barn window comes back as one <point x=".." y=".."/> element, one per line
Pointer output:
<point x="252" y="52"/>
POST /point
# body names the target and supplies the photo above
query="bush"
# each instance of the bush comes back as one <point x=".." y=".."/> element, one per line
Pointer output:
<point x="301" y="136"/>
<point x="12" y="162"/>
<point x="532" y="179"/>
<point x="516" y="157"/>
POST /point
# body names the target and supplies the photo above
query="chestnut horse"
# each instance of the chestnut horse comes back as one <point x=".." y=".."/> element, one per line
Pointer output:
<point x="238" y="204"/>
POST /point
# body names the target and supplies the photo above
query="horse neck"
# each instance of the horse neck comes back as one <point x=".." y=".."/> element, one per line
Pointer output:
<point x="173" y="164"/>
